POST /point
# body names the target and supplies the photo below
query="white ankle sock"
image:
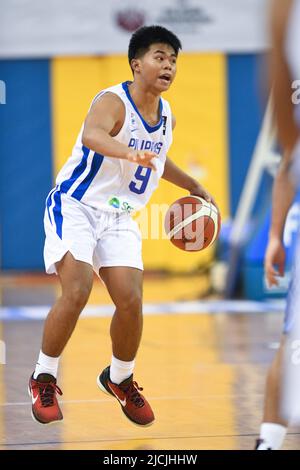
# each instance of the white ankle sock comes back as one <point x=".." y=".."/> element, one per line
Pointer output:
<point x="120" y="370"/>
<point x="46" y="365"/>
<point x="273" y="435"/>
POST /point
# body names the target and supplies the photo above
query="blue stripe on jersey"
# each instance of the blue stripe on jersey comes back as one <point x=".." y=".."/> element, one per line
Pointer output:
<point x="58" y="218"/>
<point x="66" y="185"/>
<point x="84" y="185"/>
<point x="148" y="128"/>
<point x="49" y="201"/>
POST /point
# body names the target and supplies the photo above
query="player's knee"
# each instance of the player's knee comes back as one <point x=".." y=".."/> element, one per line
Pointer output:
<point x="77" y="295"/>
<point x="130" y="303"/>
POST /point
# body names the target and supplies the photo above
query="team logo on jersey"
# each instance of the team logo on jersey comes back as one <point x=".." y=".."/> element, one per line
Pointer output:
<point x="132" y="119"/>
<point x="133" y="124"/>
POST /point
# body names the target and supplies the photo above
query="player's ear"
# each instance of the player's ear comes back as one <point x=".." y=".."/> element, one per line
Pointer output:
<point x="135" y="65"/>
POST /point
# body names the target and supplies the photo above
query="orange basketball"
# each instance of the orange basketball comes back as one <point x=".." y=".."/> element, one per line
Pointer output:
<point x="192" y="223"/>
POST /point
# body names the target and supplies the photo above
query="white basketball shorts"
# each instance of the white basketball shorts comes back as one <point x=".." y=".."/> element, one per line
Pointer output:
<point x="100" y="238"/>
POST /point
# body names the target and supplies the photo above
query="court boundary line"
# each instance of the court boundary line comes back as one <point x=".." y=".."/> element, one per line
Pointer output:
<point x="141" y="439"/>
<point x="39" y="312"/>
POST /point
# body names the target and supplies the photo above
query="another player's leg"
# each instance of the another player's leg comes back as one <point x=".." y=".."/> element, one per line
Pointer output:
<point x="273" y="429"/>
<point x="76" y="278"/>
<point x="124" y="285"/>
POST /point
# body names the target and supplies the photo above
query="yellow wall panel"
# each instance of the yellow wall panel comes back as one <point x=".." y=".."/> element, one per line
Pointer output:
<point x="75" y="81"/>
<point x="198" y="100"/>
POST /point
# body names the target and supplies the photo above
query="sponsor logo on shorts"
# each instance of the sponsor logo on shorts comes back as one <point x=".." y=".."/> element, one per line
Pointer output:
<point x="114" y="202"/>
<point x="126" y="207"/>
<point x="123" y="205"/>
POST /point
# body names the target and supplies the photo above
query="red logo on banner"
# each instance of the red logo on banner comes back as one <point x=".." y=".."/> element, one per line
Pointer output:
<point x="130" y="19"/>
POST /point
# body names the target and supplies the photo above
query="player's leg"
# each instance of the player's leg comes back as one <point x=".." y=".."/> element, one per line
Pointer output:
<point x="273" y="429"/>
<point x="76" y="278"/>
<point x="273" y="388"/>
<point x="291" y="378"/>
<point x="68" y="252"/>
<point x="124" y="285"/>
<point x="118" y="259"/>
<point x="125" y="288"/>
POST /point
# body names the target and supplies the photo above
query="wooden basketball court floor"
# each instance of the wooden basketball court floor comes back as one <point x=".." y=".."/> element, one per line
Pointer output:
<point x="202" y="364"/>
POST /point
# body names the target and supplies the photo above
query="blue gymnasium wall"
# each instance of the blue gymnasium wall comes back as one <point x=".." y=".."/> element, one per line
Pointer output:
<point x="26" y="153"/>
<point x="245" y="113"/>
<point x="25" y="162"/>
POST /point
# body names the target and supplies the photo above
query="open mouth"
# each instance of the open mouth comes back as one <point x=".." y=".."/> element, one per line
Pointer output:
<point x="165" y="78"/>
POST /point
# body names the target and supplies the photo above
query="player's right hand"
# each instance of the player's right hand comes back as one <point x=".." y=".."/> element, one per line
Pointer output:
<point x="144" y="158"/>
<point x="275" y="256"/>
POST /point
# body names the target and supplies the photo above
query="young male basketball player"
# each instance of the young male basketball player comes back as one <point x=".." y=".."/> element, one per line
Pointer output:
<point x="116" y="163"/>
<point x="284" y="70"/>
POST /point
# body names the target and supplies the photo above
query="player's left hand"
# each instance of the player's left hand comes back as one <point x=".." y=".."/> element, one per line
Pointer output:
<point x="198" y="190"/>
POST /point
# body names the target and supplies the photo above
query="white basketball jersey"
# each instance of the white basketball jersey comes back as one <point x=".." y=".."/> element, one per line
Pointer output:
<point x="112" y="183"/>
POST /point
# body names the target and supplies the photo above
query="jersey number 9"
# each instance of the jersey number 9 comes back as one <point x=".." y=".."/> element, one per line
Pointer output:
<point x="142" y="175"/>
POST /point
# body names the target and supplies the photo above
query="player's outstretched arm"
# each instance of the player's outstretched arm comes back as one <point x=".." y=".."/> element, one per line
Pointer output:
<point x="104" y="120"/>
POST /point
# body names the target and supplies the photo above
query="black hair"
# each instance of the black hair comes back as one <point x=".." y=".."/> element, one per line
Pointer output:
<point x="145" y="36"/>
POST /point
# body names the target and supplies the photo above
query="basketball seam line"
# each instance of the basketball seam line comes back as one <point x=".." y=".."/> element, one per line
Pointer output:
<point x="206" y="212"/>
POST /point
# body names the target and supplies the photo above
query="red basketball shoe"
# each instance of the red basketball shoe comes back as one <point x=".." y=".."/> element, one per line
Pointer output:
<point x="45" y="408"/>
<point x="133" y="404"/>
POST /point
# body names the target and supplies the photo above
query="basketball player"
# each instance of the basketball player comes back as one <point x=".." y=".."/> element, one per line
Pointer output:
<point x="285" y="68"/>
<point x="116" y="163"/>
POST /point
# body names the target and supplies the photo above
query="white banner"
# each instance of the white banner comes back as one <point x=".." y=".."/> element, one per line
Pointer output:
<point x="40" y="28"/>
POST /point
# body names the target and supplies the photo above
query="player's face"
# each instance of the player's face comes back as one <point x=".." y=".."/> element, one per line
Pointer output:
<point x="158" y="66"/>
